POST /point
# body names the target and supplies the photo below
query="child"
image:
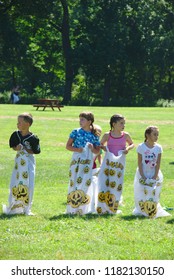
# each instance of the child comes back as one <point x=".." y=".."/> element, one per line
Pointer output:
<point x="110" y="179"/>
<point x="98" y="157"/>
<point x="22" y="181"/>
<point x="148" y="178"/>
<point x="83" y="142"/>
<point x="116" y="138"/>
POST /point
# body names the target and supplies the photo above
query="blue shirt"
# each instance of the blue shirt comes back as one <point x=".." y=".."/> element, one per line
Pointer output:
<point x="81" y="137"/>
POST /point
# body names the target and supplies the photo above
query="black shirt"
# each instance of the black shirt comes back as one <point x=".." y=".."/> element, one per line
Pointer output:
<point x="29" y="141"/>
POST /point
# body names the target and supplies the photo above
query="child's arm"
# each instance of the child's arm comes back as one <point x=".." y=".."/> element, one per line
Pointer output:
<point x="104" y="140"/>
<point x="69" y="146"/>
<point x="157" y="167"/>
<point x="140" y="166"/>
<point x="99" y="157"/>
<point x="94" y="149"/>
<point x="18" y="147"/>
<point x="130" y="143"/>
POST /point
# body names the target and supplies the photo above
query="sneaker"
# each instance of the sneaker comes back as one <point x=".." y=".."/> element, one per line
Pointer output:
<point x="29" y="214"/>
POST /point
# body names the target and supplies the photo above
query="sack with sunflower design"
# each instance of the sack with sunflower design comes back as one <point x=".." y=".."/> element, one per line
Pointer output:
<point x="147" y="196"/>
<point x="110" y="183"/>
<point x="80" y="198"/>
<point x="21" y="185"/>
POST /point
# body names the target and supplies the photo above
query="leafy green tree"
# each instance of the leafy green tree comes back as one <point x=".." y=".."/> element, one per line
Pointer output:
<point x="44" y="32"/>
<point x="90" y="52"/>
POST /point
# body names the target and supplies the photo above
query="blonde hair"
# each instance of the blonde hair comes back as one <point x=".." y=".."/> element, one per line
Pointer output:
<point x="27" y="117"/>
<point x="149" y="130"/>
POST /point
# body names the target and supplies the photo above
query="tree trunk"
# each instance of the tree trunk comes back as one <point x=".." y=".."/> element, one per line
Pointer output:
<point x="106" y="90"/>
<point x="13" y="77"/>
<point x="67" y="53"/>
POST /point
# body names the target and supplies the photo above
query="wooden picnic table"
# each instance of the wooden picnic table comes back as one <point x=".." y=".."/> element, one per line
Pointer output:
<point x="48" y="103"/>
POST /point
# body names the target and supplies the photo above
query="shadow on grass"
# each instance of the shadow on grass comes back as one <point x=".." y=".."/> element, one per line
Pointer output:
<point x="133" y="217"/>
<point x="84" y="217"/>
<point x="172" y="162"/>
<point x="170" y="222"/>
<point x="8" y="217"/>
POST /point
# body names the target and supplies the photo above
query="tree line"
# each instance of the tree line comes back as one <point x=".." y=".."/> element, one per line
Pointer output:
<point x="108" y="53"/>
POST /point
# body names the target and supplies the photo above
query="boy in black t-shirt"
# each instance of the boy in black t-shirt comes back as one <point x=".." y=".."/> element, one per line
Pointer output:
<point x="22" y="180"/>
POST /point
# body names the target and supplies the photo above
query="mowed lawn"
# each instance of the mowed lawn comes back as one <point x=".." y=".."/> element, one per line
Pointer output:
<point x="51" y="234"/>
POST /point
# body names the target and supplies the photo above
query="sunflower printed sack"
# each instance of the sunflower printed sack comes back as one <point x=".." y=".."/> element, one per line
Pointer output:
<point x="80" y="198"/>
<point x="110" y="183"/>
<point x="147" y="196"/>
<point x="21" y="184"/>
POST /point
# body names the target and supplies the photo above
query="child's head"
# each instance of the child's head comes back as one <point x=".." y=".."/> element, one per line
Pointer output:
<point x="115" y="119"/>
<point x="88" y="116"/>
<point x="27" y="117"/>
<point x="149" y="130"/>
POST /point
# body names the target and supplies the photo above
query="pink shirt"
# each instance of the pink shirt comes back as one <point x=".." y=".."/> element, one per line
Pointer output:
<point x="116" y="144"/>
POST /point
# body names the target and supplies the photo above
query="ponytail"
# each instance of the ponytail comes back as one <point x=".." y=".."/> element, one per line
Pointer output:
<point x="148" y="131"/>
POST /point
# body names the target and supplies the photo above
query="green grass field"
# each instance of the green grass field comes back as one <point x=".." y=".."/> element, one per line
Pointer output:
<point x="52" y="235"/>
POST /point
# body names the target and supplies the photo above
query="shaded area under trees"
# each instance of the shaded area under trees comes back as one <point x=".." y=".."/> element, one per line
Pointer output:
<point x="89" y="52"/>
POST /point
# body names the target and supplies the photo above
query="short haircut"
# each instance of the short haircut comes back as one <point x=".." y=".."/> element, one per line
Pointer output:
<point x="27" y="117"/>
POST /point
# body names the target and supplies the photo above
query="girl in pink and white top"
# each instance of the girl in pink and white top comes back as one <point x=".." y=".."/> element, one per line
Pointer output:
<point x="148" y="178"/>
<point x="111" y="174"/>
<point x="116" y="138"/>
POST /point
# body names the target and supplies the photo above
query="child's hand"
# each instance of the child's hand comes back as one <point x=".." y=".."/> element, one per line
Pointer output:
<point x="125" y="151"/>
<point x="150" y="182"/>
<point x="19" y="147"/>
<point x="80" y="150"/>
<point x="103" y="147"/>
<point x="90" y="146"/>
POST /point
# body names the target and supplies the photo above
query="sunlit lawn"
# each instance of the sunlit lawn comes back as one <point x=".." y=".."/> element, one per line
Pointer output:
<point x="51" y="234"/>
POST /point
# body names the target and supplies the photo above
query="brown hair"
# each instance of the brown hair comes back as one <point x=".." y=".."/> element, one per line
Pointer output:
<point x="89" y="117"/>
<point x="27" y="117"/>
<point x="115" y="118"/>
<point x="148" y="131"/>
<point x="98" y="130"/>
